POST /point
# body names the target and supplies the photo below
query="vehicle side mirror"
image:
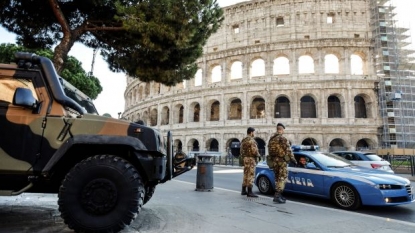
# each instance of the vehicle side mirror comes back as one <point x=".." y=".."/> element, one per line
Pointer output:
<point x="23" y="97"/>
<point x="311" y="166"/>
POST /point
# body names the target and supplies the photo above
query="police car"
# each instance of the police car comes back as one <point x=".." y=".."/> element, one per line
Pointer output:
<point x="332" y="177"/>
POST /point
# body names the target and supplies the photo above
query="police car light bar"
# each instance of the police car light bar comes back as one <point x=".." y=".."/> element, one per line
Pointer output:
<point x="304" y="148"/>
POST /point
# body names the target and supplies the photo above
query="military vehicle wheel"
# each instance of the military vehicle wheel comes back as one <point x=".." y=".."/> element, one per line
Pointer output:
<point x="101" y="194"/>
<point x="149" y="193"/>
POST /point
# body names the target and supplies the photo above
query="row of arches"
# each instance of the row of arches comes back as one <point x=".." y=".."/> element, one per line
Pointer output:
<point x="282" y="107"/>
<point x="281" y="65"/>
<point x="233" y="144"/>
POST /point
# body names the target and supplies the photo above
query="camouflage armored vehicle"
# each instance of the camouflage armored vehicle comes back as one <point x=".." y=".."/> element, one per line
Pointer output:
<point x="53" y="141"/>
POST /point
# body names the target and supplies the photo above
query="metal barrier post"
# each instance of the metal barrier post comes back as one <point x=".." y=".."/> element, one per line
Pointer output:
<point x="204" y="176"/>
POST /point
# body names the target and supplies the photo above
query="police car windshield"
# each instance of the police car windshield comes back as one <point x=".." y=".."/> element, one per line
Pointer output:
<point x="79" y="97"/>
<point x="332" y="160"/>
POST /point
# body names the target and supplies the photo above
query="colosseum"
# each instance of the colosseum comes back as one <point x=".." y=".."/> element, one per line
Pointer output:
<point x="308" y="64"/>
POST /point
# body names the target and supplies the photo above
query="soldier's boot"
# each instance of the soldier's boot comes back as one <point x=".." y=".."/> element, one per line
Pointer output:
<point x="278" y="198"/>
<point x="244" y="190"/>
<point x="250" y="193"/>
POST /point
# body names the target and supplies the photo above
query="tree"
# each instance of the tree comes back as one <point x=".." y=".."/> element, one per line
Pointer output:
<point x="153" y="40"/>
<point x="73" y="71"/>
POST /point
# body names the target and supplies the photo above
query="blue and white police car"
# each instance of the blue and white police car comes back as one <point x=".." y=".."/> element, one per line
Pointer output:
<point x="332" y="177"/>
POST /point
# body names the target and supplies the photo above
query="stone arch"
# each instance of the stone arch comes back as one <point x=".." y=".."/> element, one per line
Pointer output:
<point x="282" y="108"/>
<point x="178" y="114"/>
<point x="306" y="64"/>
<point x="153" y="117"/>
<point x="357" y="63"/>
<point x="365" y="108"/>
<point x="194" y="112"/>
<point x="177" y="145"/>
<point x="308" y="107"/>
<point x="337" y="144"/>
<point x="193" y="145"/>
<point x="199" y="78"/>
<point x="257" y="68"/>
<point x="309" y="141"/>
<point x="359" y="107"/>
<point x="216" y="74"/>
<point x="214" y="110"/>
<point x="234" y="145"/>
<point x="365" y="144"/>
<point x="257" y="108"/>
<point x="165" y="115"/>
<point x="236" y="70"/>
<point x="235" y="109"/>
<point x="334" y="107"/>
<point x="281" y="66"/>
<point x="331" y="64"/>
<point x="261" y="145"/>
<point x="212" y="144"/>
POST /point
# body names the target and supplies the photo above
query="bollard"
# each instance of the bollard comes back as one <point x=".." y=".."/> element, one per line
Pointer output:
<point x="204" y="177"/>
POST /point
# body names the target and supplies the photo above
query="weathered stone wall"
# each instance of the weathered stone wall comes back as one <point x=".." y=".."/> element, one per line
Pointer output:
<point x="221" y="106"/>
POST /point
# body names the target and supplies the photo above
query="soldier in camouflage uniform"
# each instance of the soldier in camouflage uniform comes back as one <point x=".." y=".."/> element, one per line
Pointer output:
<point x="249" y="152"/>
<point x="280" y="151"/>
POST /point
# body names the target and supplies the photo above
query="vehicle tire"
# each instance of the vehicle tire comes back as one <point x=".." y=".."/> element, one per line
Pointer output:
<point x="149" y="193"/>
<point x="345" y="196"/>
<point x="264" y="185"/>
<point x="103" y="193"/>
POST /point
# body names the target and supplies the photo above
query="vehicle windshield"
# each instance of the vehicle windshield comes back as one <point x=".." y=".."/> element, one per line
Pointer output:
<point x="332" y="160"/>
<point x="79" y="97"/>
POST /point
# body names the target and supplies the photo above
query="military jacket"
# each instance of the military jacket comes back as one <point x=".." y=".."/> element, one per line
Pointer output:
<point x="279" y="148"/>
<point x="249" y="147"/>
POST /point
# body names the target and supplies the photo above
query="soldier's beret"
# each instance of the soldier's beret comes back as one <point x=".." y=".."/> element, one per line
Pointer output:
<point x="280" y="124"/>
<point x="250" y="129"/>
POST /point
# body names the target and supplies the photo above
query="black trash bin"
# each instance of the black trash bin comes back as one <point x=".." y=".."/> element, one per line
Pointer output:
<point x="204" y="177"/>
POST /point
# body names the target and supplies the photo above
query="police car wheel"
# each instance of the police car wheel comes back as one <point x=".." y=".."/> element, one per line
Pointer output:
<point x="101" y="194"/>
<point x="264" y="185"/>
<point x="345" y="196"/>
<point x="149" y="193"/>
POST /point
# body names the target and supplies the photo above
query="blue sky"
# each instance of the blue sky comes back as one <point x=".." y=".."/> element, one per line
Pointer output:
<point x="111" y="99"/>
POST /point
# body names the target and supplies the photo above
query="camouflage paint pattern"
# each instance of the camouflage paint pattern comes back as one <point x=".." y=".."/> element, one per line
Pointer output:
<point x="30" y="140"/>
<point x="279" y="150"/>
<point x="249" y="172"/>
<point x="249" y="153"/>
<point x="280" y="174"/>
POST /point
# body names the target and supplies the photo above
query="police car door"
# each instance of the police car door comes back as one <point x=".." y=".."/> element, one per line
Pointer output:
<point x="307" y="180"/>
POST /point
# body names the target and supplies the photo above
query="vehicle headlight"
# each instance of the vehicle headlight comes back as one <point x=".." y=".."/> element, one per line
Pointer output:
<point x="383" y="186"/>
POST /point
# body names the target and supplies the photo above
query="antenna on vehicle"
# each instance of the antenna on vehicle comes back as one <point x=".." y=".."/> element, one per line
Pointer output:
<point x="312" y="143"/>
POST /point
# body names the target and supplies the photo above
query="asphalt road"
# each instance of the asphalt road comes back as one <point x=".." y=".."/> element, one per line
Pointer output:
<point x="231" y="178"/>
<point x="177" y="208"/>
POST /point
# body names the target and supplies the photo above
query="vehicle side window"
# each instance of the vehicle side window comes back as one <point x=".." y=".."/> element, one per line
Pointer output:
<point x="348" y="156"/>
<point x="9" y="85"/>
